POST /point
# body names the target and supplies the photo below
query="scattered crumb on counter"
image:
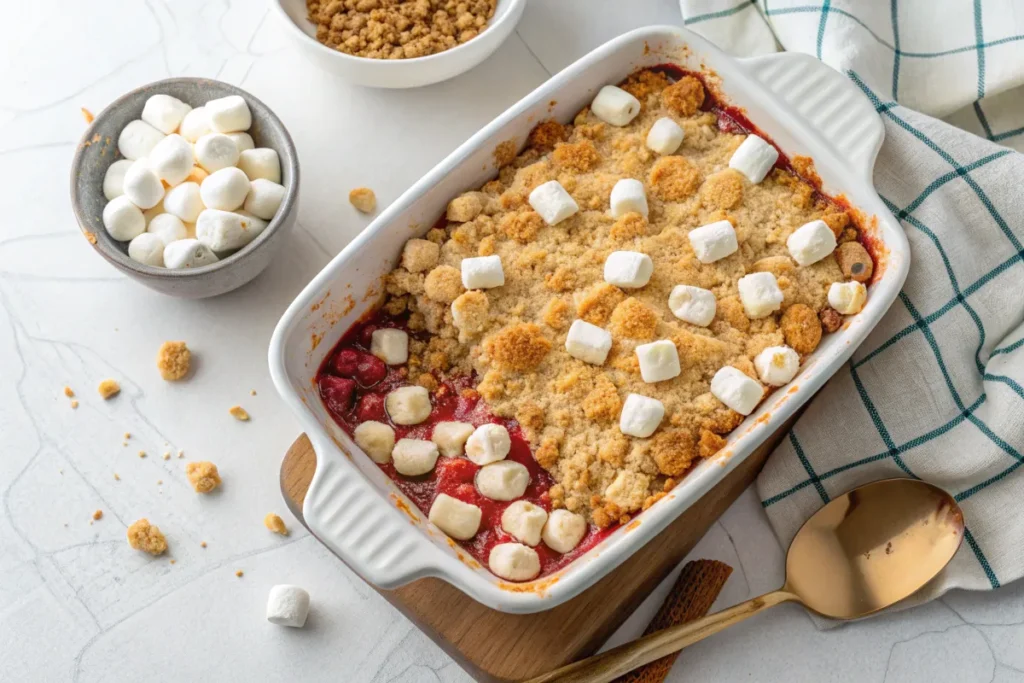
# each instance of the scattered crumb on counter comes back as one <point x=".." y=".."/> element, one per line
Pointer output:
<point x="69" y="392"/>
<point x="181" y="453"/>
<point x="144" y="536"/>
<point x="117" y="477"/>
<point x="142" y="454"/>
<point x="173" y="360"/>
<point x="174" y="561"/>
<point x="238" y="412"/>
<point x="363" y="199"/>
<point x="87" y="115"/>
<point x="167" y="456"/>
<point x="239" y="573"/>
<point x="98" y="515"/>
<point x="108" y="388"/>
<point x="202" y="544"/>
<point x="203" y="475"/>
<point x="127" y="435"/>
<point x="252" y="392"/>
<point x="74" y="404"/>
<point x="275" y="524"/>
<point x="159" y="482"/>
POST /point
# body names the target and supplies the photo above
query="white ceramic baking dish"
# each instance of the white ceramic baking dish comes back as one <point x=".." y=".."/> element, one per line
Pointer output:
<point x="354" y="509"/>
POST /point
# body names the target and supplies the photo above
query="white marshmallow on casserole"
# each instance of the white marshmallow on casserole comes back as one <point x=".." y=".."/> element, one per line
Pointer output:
<point x="659" y="361"/>
<point x="450" y="437"/>
<point x="628" y="269"/>
<point x="376" y="439"/>
<point x="457" y="519"/>
<point x="759" y="294"/>
<point x="694" y="305"/>
<point x="665" y="136"/>
<point x="777" y="365"/>
<point x="714" y="241"/>
<point x="628" y="196"/>
<point x="552" y="202"/>
<point x="488" y="443"/>
<point x="503" y="480"/>
<point x="390" y="345"/>
<point x="847" y="297"/>
<point x="414" y="457"/>
<point x="615" y="106"/>
<point x="640" y="416"/>
<point x="737" y="391"/>
<point x="589" y="343"/>
<point x="754" y="158"/>
<point x="524" y="521"/>
<point x="514" y="562"/>
<point x="482" y="272"/>
<point x="564" y="530"/>
<point x="408" y="405"/>
<point x="811" y="242"/>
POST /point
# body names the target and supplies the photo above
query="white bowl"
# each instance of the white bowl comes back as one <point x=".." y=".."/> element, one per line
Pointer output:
<point x="398" y="73"/>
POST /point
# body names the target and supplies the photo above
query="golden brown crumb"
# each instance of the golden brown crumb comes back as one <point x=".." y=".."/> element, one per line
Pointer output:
<point x="443" y="284"/>
<point x="166" y="456"/>
<point x="465" y="208"/>
<point x="837" y="222"/>
<point x="203" y="475"/>
<point x="252" y="392"/>
<point x="684" y="96"/>
<point x="562" y="280"/>
<point x="710" y="443"/>
<point x="238" y="412"/>
<point x="363" y="199"/>
<point x="275" y="524"/>
<point x="673" y="450"/>
<point x="547" y="454"/>
<point x="522" y="226"/>
<point x="117" y="477"/>
<point x="674" y="178"/>
<point x="174" y="561"/>
<point x="469" y="312"/>
<point x="831" y="319"/>
<point x="602" y="404"/>
<point x="556" y="314"/>
<point x="108" y="388"/>
<point x="98" y="515"/>
<point x="634" y="320"/>
<point x="722" y="190"/>
<point x="173" y="360"/>
<point x="69" y="392"/>
<point x="801" y="328"/>
<point x="519" y="347"/>
<point x="87" y="115"/>
<point x="90" y="237"/>
<point x="580" y="156"/>
<point x="144" y="536"/>
<point x="419" y="256"/>
<point x="545" y="135"/>
<point x="504" y="153"/>
<point x="628" y="226"/>
<point x="239" y="573"/>
<point x="202" y="544"/>
<point x="74" y="404"/>
<point x="127" y="435"/>
<point x="597" y="304"/>
<point x="644" y="83"/>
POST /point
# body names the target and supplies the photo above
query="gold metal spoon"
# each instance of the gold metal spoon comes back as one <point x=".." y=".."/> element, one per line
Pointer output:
<point x="861" y="553"/>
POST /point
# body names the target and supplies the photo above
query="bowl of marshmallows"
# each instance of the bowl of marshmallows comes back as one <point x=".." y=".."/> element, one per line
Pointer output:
<point x="187" y="185"/>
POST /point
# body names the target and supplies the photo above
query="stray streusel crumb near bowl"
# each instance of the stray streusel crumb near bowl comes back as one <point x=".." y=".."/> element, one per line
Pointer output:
<point x="203" y="475"/>
<point x="146" y="537"/>
<point x="274" y="522"/>
<point x="174" y="360"/>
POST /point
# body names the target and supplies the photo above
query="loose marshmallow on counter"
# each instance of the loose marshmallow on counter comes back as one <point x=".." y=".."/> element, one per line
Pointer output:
<point x="847" y="297"/>
<point x="260" y="162"/>
<point x="188" y="253"/>
<point x="482" y="272"/>
<point x="589" y="343"/>
<point x="552" y="202"/>
<point x="640" y="416"/>
<point x="229" y="114"/>
<point x="628" y="195"/>
<point x="414" y="457"/>
<point x="137" y="140"/>
<point x="184" y="201"/>
<point x="615" y="106"/>
<point x="164" y="113"/>
<point x="659" y="361"/>
<point x="450" y="437"/>
<point x="264" y="198"/>
<point x="195" y="125"/>
<point x="408" y="405"/>
<point x="736" y="390"/>
<point x="503" y="480"/>
<point x="113" y="179"/>
<point x="287" y="606"/>
<point x="390" y="345"/>
<point x="168" y="227"/>
<point x="376" y="439"/>
<point x="122" y="219"/>
<point x="513" y="562"/>
<point x="714" y="241"/>
<point x="524" y="521"/>
<point x="215" y="151"/>
<point x="457" y="519"/>
<point x="811" y="242"/>
<point x="777" y="365"/>
<point x="142" y="185"/>
<point x="564" y="530"/>
<point x="754" y="158"/>
<point x="628" y="269"/>
<point x="488" y="443"/>
<point x="172" y="159"/>
<point x="243" y="141"/>
<point x="665" y="136"/>
<point x="694" y="305"/>
<point x="147" y="248"/>
<point x="225" y="189"/>
<point x="224" y="231"/>
<point x="760" y="294"/>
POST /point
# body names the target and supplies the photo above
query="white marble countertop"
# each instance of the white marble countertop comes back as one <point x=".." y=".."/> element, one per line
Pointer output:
<point x="75" y="602"/>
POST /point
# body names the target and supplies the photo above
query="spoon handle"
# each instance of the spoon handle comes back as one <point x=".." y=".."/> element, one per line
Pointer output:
<point x="621" y="660"/>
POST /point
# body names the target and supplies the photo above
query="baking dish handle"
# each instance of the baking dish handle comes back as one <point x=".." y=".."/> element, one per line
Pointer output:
<point x="830" y="103"/>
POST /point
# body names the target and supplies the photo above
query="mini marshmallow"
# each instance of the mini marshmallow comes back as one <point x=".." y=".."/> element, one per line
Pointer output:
<point x="552" y="202"/>
<point x="777" y="365"/>
<point x="229" y="114"/>
<point x="457" y="519"/>
<point x="694" y="305"/>
<point x="513" y="562"/>
<point x="164" y="113"/>
<point x="847" y="297"/>
<point x="137" y="140"/>
<point x="640" y="416"/>
<point x="811" y="242"/>
<point x="564" y="530"/>
<point x="122" y="219"/>
<point x="215" y="151"/>
<point x="714" y="241"/>
<point x="503" y="480"/>
<point x="390" y="345"/>
<point x="287" y="606"/>
<point x="754" y="158"/>
<point x="408" y="405"/>
<point x="264" y="198"/>
<point x="628" y="195"/>
<point x="225" y="189"/>
<point x="615" y="106"/>
<point x="628" y="269"/>
<point x="147" y="248"/>
<point x="195" y="125"/>
<point x="376" y="439"/>
<point x="589" y="343"/>
<point x="659" y="361"/>
<point x="760" y="294"/>
<point x="243" y="141"/>
<point x="113" y="179"/>
<point x="168" y="228"/>
<point x="482" y="272"/>
<point x="736" y="390"/>
<point x="665" y="136"/>
<point x="414" y="457"/>
<point x="450" y="437"/>
<point x="260" y="162"/>
<point x="172" y="159"/>
<point x="142" y="185"/>
<point x="226" y="231"/>
<point x="184" y="201"/>
<point x="524" y="521"/>
<point x="488" y="443"/>
<point x="188" y="253"/>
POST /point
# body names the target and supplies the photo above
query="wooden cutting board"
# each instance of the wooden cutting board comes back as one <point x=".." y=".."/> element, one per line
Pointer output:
<point x="493" y="646"/>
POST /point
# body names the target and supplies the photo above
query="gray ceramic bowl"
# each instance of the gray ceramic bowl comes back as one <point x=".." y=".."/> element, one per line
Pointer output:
<point x="98" y="150"/>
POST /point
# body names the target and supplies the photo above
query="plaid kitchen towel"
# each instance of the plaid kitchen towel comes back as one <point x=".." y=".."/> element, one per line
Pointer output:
<point x="937" y="390"/>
